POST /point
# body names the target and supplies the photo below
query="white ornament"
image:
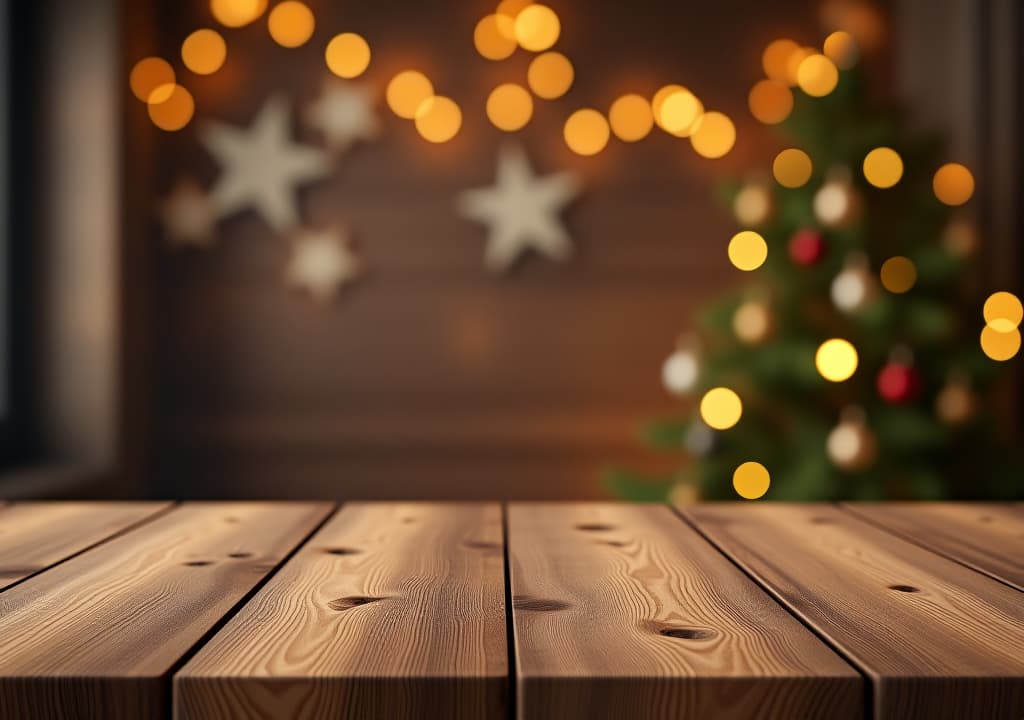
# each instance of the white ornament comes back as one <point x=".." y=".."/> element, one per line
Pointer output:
<point x="261" y="167"/>
<point x="679" y="372"/>
<point x="853" y="286"/>
<point x="322" y="262"/>
<point x="188" y="215"/>
<point x="521" y="210"/>
<point x="344" y="114"/>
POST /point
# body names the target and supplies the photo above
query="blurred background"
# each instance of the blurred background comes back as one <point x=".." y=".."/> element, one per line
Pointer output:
<point x="250" y="287"/>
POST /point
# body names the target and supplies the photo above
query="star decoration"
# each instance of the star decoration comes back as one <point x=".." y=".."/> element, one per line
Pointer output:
<point x="262" y="167"/>
<point x="521" y="210"/>
<point x="344" y="114"/>
<point x="322" y="262"/>
<point x="188" y="215"/>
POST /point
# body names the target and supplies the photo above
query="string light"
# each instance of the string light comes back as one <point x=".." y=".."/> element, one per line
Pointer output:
<point x="721" y="408"/>
<point x="953" y="184"/>
<point x="537" y="28"/>
<point x="751" y="480"/>
<point x="586" y="132"/>
<point x="236" y="13"/>
<point x="678" y="111"/>
<point x="550" y="75"/>
<point x="291" y="23"/>
<point x="1000" y="346"/>
<point x="347" y="55"/>
<point x="494" y="36"/>
<point x="775" y="59"/>
<point x="792" y="168"/>
<point x="836" y="360"/>
<point x="1003" y="311"/>
<point x="714" y="135"/>
<point x="817" y="75"/>
<point x="747" y="250"/>
<point x="883" y="167"/>
<point x="631" y="118"/>
<point x="898" y="274"/>
<point x="770" y="101"/>
<point x="204" y="51"/>
<point x="407" y="91"/>
<point x="841" y="48"/>
<point x="174" y="110"/>
<point x="793" y="64"/>
<point x="509" y="107"/>
<point x="438" y="119"/>
<point x="150" y="74"/>
<point x="511" y="10"/>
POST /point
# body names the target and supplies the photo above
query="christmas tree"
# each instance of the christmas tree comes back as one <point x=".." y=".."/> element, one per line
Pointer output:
<point x="849" y="366"/>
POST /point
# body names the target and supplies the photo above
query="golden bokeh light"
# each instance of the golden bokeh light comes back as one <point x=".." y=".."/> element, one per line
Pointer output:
<point x="747" y="250"/>
<point x="174" y="110"/>
<point x="631" y="118"/>
<point x="438" y="119"/>
<point x="841" y="48"/>
<point x="204" y="51"/>
<point x="883" y="167"/>
<point x="347" y="55"/>
<point x="407" y="91"/>
<point x="511" y="10"/>
<point x="721" y="408"/>
<point x="537" y="28"/>
<point x="770" y="101"/>
<point x="1003" y="311"/>
<point x="752" y="205"/>
<point x="898" y="274"/>
<point x="713" y="135"/>
<point x="836" y="360"/>
<point x="752" y="322"/>
<point x="792" y="168"/>
<point x="291" y="23"/>
<point x="817" y="75"/>
<point x="775" y="59"/>
<point x="550" y="75"/>
<point x="494" y="36"/>
<point x="953" y="184"/>
<point x="751" y="480"/>
<point x="678" y="111"/>
<point x="509" y="107"/>
<point x="148" y="75"/>
<point x="236" y="13"/>
<point x="793" y="63"/>
<point x="1000" y="346"/>
<point x="586" y="132"/>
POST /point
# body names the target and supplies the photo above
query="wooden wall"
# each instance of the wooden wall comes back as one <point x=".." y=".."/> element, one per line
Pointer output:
<point x="430" y="377"/>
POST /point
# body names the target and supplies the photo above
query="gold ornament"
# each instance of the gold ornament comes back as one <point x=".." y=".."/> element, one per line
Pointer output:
<point x="753" y="204"/>
<point x="851" y="445"/>
<point x="752" y="322"/>
<point x="836" y="203"/>
<point x="960" y="238"/>
<point x="956" y="403"/>
<point x="854" y="286"/>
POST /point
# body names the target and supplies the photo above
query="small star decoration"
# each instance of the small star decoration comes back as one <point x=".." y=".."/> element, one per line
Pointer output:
<point x="521" y="210"/>
<point x="322" y="262"/>
<point x="344" y="115"/>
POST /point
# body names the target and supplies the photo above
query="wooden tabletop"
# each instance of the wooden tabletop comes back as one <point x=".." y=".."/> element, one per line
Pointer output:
<point x="473" y="610"/>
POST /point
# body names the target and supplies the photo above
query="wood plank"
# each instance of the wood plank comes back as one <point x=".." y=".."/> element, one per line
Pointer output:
<point x="988" y="537"/>
<point x="36" y="535"/>
<point x="390" y="611"/>
<point x="625" y="611"/>
<point x="97" y="636"/>
<point x="936" y="638"/>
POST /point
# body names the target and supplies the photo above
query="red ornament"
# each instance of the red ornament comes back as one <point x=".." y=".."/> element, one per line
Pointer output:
<point x="807" y="247"/>
<point x="898" y="383"/>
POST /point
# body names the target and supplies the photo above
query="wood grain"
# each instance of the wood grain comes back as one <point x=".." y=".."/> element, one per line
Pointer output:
<point x="988" y="537"/>
<point x="937" y="639"/>
<point x="390" y="611"/>
<point x="624" y="611"/>
<point x="35" y="535"/>
<point x="96" y="636"/>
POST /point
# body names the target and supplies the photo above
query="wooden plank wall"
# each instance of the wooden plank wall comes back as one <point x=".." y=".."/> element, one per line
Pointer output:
<point x="432" y="379"/>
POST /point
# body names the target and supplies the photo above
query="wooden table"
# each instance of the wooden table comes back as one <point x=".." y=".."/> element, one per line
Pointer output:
<point x="578" y="610"/>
